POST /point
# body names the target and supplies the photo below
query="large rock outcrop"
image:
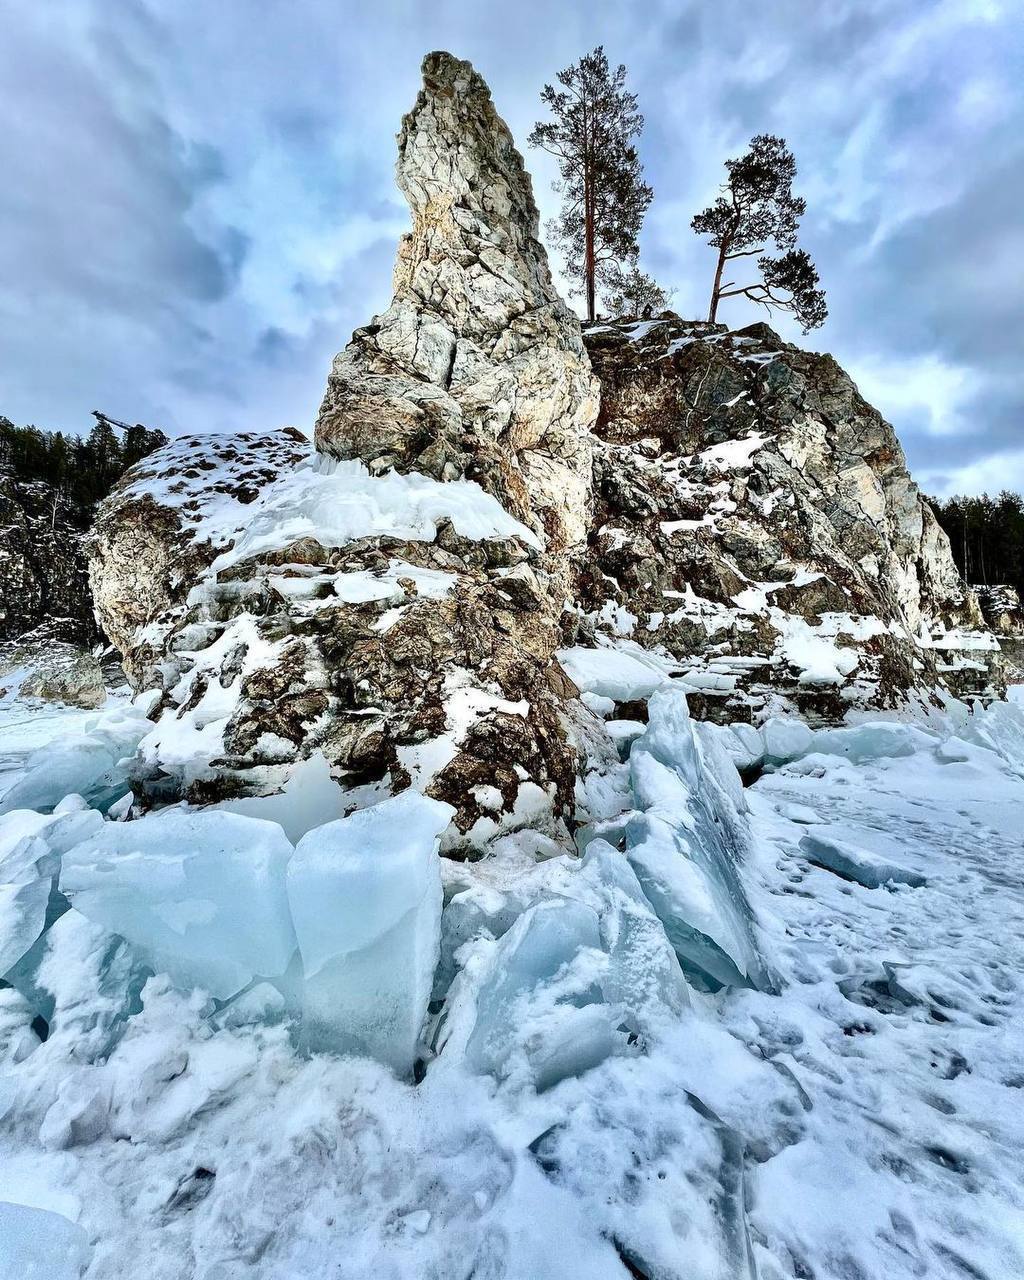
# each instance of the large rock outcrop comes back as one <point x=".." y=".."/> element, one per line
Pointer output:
<point x="477" y="368"/>
<point x="756" y="520"/>
<point x="394" y="601"/>
<point x="737" y="518"/>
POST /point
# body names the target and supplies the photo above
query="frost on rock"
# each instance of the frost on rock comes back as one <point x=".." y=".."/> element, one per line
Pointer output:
<point x="365" y="897"/>
<point x="688" y="846"/>
<point x="201" y="896"/>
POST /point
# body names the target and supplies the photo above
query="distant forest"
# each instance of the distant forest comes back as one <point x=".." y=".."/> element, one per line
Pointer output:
<point x="82" y="469"/>
<point x="987" y="537"/>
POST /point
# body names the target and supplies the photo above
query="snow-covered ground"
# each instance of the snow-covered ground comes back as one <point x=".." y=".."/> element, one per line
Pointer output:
<point x="849" y="1106"/>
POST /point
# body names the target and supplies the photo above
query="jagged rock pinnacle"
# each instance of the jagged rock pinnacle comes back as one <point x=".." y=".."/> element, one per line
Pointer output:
<point x="477" y="369"/>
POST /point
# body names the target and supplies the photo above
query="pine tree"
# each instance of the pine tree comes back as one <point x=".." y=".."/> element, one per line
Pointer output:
<point x="630" y="291"/>
<point x="604" y="196"/>
<point x="757" y="206"/>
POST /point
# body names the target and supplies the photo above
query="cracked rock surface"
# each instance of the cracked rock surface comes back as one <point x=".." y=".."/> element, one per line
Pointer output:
<point x="477" y="369"/>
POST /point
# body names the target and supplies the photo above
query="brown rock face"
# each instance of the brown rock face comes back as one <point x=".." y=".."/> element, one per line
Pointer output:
<point x="755" y="516"/>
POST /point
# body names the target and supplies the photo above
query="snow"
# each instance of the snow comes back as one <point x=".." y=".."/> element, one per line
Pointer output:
<point x="640" y="330"/>
<point x="333" y="501"/>
<point x="732" y="455"/>
<point x="365" y="896"/>
<point x="38" y="1245"/>
<point x="772" y="1031"/>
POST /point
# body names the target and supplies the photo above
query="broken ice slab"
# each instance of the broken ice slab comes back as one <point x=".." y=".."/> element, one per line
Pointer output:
<point x="200" y="896"/>
<point x="873" y="740"/>
<point x="310" y="798"/>
<point x="643" y="977"/>
<point x="92" y="763"/>
<point x="539" y="1011"/>
<point x="858" y="865"/>
<point x="85" y="985"/>
<point x="785" y="738"/>
<point x="22" y="919"/>
<point x="31" y="845"/>
<point x="365" y="896"/>
<point x="687" y="845"/>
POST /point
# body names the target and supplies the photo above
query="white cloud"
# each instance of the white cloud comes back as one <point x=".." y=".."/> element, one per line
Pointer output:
<point x="923" y="388"/>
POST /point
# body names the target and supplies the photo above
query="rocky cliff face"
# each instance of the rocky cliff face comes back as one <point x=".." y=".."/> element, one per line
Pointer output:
<point x="755" y="518"/>
<point x="396" y="602"/>
<point x="737" y="519"/>
<point x="43" y="573"/>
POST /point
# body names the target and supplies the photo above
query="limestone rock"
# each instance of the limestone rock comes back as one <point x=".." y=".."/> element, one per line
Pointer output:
<point x="393" y="602"/>
<point x="756" y="518"/>
<point x="477" y="368"/>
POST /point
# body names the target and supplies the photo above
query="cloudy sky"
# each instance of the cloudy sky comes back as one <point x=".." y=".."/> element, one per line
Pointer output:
<point x="197" y="201"/>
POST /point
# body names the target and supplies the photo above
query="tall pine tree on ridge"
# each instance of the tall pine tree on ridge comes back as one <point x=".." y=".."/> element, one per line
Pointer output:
<point x="604" y="196"/>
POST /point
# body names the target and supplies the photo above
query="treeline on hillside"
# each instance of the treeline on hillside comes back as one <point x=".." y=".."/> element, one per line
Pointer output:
<point x="987" y="537"/>
<point x="82" y="469"/>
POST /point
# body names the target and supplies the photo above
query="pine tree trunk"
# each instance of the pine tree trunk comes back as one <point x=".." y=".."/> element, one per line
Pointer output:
<point x="713" y="309"/>
<point x="589" y="263"/>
